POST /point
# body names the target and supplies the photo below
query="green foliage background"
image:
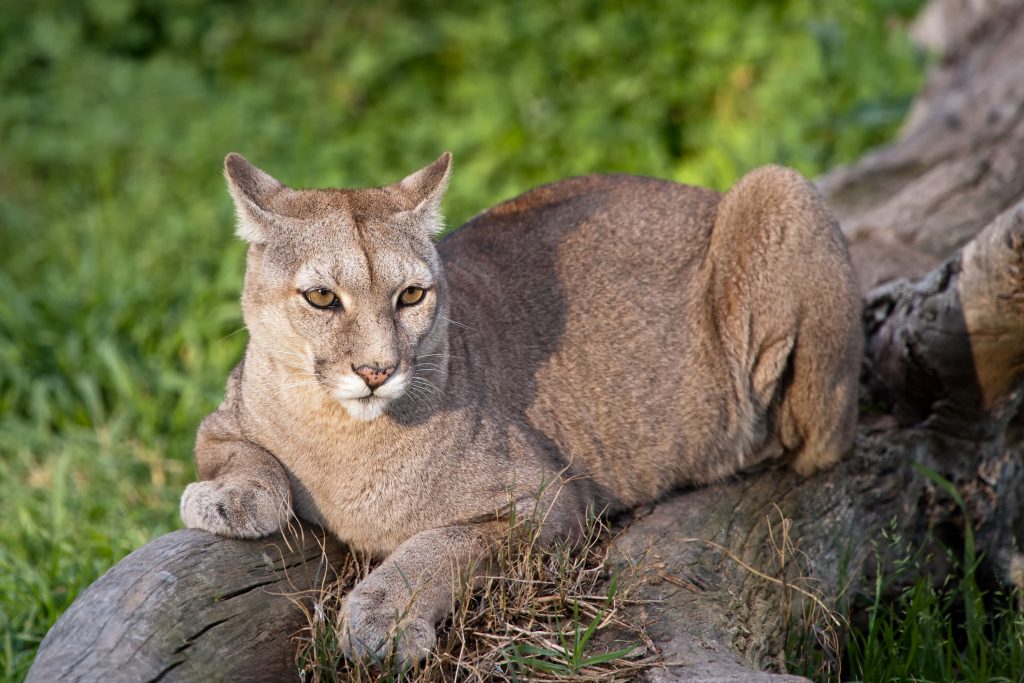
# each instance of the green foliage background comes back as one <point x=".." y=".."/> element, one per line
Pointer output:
<point x="120" y="278"/>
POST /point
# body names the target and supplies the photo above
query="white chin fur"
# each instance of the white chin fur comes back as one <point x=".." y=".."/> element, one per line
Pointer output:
<point x="357" y="400"/>
<point x="365" y="409"/>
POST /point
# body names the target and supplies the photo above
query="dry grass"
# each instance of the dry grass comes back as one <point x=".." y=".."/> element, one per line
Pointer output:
<point x="535" y="615"/>
<point x="556" y="614"/>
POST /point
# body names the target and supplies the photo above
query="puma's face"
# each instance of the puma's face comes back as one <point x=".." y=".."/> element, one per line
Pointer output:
<point x="343" y="288"/>
<point x="347" y="316"/>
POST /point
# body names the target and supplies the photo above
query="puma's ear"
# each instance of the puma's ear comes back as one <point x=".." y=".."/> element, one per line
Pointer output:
<point x="252" y="190"/>
<point x="424" y="190"/>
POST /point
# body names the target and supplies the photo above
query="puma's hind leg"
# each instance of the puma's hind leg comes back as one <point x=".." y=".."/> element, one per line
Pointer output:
<point x="818" y="416"/>
<point x="781" y="276"/>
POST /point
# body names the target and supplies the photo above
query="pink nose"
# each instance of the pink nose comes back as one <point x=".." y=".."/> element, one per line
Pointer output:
<point x="375" y="375"/>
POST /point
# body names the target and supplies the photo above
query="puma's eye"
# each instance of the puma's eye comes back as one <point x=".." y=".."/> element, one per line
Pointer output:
<point x="321" y="298"/>
<point x="411" y="296"/>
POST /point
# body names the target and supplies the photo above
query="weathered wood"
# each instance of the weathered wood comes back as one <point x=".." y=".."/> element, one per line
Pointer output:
<point x="716" y="619"/>
<point x="948" y="349"/>
<point x="191" y="607"/>
<point x="957" y="164"/>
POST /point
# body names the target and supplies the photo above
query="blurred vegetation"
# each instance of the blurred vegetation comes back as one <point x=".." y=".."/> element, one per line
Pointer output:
<point x="120" y="278"/>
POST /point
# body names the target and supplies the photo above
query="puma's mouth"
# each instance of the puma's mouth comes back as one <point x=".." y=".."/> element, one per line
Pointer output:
<point x="366" y="404"/>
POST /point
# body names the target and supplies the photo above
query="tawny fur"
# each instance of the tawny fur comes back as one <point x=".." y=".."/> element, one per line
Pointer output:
<point x="618" y="336"/>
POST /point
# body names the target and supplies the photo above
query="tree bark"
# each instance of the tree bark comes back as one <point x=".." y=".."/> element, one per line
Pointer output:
<point x="731" y="571"/>
<point x="957" y="164"/>
<point x="191" y="606"/>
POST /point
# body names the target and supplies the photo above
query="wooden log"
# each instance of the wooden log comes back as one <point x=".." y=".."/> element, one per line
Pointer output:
<point x="191" y="606"/>
<point x="734" y="569"/>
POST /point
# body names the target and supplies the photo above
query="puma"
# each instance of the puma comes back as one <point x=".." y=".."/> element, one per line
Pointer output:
<point x="591" y="343"/>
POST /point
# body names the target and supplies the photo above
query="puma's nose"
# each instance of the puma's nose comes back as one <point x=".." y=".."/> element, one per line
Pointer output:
<point x="375" y="375"/>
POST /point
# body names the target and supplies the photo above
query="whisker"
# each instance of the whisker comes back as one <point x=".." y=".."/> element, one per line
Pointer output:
<point x="426" y="382"/>
<point x="425" y="391"/>
<point x="228" y="336"/>
<point x="456" y="322"/>
<point x="288" y="353"/>
<point x="437" y="373"/>
<point x="424" y="387"/>
<point x="300" y="384"/>
<point x="425" y="396"/>
<point x="416" y="393"/>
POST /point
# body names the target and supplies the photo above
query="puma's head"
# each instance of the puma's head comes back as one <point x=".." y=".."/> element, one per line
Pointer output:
<point x="344" y="288"/>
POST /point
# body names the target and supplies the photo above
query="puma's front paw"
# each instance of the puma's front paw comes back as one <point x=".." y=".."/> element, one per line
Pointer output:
<point x="375" y="627"/>
<point x="236" y="509"/>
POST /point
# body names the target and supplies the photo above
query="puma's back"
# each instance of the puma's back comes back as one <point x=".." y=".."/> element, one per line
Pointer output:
<point x="653" y="332"/>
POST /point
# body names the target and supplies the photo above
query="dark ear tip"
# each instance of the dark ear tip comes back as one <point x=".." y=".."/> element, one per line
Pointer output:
<point x="233" y="162"/>
<point x="445" y="161"/>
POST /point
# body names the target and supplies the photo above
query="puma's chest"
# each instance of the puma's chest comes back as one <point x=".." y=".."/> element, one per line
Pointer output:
<point x="370" y="497"/>
<point x="377" y="488"/>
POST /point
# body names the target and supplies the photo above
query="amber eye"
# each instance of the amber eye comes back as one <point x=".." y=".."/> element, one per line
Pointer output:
<point x="411" y="296"/>
<point x="321" y="298"/>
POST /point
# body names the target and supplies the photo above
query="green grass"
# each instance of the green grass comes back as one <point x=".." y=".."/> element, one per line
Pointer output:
<point x="946" y="632"/>
<point x="569" y="655"/>
<point x="120" y="277"/>
<point x="917" y="624"/>
<point x="939" y="628"/>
